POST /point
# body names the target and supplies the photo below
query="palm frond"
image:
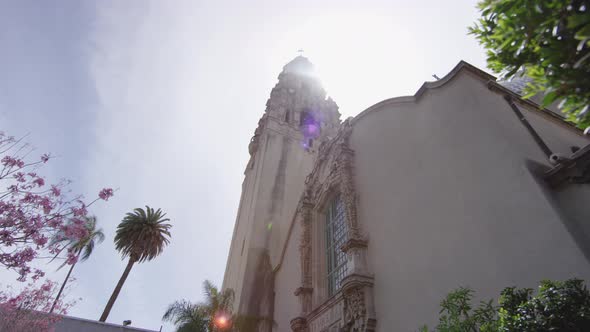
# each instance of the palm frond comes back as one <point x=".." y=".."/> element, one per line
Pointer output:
<point x="186" y="316"/>
<point x="82" y="247"/>
<point x="143" y="235"/>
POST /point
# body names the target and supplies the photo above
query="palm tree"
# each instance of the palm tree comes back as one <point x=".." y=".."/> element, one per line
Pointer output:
<point x="187" y="317"/>
<point x="218" y="305"/>
<point x="214" y="314"/>
<point x="82" y="247"/>
<point x="141" y="236"/>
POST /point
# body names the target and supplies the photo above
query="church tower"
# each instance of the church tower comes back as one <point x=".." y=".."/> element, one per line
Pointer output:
<point x="297" y="119"/>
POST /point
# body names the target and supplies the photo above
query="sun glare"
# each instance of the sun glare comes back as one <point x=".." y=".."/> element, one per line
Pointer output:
<point x="349" y="49"/>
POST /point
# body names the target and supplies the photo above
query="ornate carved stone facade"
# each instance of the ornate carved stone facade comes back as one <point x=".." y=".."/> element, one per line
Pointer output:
<point x="334" y="173"/>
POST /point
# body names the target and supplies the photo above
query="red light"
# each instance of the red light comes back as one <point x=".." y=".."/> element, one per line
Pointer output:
<point x="221" y="321"/>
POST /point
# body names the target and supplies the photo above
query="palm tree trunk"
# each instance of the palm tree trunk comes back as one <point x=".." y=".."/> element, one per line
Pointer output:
<point x="62" y="288"/>
<point x="113" y="298"/>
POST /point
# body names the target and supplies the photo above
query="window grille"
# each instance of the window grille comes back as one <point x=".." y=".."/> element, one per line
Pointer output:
<point x="336" y="232"/>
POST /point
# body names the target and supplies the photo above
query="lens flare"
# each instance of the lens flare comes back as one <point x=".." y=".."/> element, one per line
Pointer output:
<point x="221" y="321"/>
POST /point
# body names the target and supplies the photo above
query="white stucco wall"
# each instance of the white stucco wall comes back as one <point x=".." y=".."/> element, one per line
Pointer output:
<point x="446" y="200"/>
<point x="270" y="194"/>
<point x="287" y="279"/>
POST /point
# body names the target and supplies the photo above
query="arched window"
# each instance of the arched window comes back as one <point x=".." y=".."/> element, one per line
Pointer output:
<point x="336" y="232"/>
<point x="288" y="116"/>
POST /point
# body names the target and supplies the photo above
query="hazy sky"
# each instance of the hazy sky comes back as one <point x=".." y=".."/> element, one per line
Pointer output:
<point x="160" y="100"/>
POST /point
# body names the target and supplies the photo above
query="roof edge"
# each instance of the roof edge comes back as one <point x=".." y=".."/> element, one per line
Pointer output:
<point x="128" y="327"/>
<point x="492" y="84"/>
<point x="462" y="65"/>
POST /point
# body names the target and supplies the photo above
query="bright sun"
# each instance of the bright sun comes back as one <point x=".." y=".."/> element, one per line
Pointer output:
<point x="349" y="48"/>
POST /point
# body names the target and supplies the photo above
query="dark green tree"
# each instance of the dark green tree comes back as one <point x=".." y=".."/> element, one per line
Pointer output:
<point x="458" y="315"/>
<point x="141" y="236"/>
<point x="547" y="40"/>
<point x="558" y="306"/>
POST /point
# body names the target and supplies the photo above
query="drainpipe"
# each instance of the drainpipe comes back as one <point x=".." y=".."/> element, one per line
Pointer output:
<point x="528" y="126"/>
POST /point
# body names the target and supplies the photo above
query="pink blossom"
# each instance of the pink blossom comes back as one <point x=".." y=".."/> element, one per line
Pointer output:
<point x="40" y="240"/>
<point x="4" y="234"/>
<point x="19" y="176"/>
<point x="27" y="310"/>
<point x="55" y="190"/>
<point x="29" y="198"/>
<point x="72" y="260"/>
<point x="9" y="161"/>
<point x="80" y="211"/>
<point x="27" y="254"/>
<point x="39" y="182"/>
<point x="29" y="218"/>
<point x="105" y="194"/>
<point x="46" y="204"/>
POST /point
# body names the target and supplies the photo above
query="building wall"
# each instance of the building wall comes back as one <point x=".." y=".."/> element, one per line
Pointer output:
<point x="73" y="324"/>
<point x="287" y="279"/>
<point x="275" y="178"/>
<point x="272" y="189"/>
<point x="447" y="200"/>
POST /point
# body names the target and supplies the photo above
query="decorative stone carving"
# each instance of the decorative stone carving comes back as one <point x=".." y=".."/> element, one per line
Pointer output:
<point x="354" y="310"/>
<point x="305" y="244"/>
<point x="358" y="310"/>
<point x="327" y="316"/>
<point x="299" y="324"/>
<point x="358" y="313"/>
<point x="304" y="295"/>
<point x="346" y="177"/>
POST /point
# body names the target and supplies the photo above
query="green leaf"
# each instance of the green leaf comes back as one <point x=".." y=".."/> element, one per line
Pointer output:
<point x="550" y="98"/>
<point x="577" y="20"/>
<point x="583" y="33"/>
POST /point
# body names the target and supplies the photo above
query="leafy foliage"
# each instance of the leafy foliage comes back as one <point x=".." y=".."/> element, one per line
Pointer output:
<point x="558" y="306"/>
<point x="549" y="41"/>
<point x="458" y="315"/>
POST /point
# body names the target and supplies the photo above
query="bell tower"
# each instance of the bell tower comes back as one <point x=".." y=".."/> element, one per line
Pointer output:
<point x="297" y="119"/>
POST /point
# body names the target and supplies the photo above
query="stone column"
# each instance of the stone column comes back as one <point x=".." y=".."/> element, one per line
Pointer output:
<point x="304" y="292"/>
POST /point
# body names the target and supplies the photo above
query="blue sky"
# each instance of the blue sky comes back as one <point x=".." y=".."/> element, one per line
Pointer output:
<point x="160" y="98"/>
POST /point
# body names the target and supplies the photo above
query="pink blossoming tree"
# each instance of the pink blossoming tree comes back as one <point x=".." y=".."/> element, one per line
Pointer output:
<point x="27" y="311"/>
<point x="31" y="213"/>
